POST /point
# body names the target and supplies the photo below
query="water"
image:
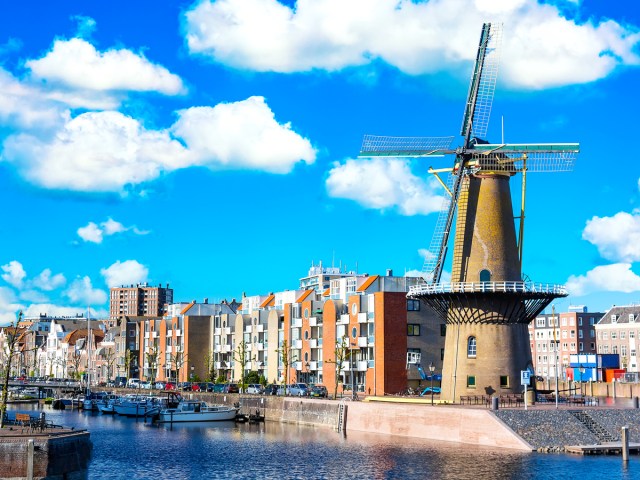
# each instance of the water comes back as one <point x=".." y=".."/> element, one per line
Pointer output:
<point x="131" y="449"/>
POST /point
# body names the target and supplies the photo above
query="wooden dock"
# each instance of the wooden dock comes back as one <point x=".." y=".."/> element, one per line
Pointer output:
<point x="609" y="448"/>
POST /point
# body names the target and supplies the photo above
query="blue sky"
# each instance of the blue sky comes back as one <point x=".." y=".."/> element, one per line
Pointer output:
<point x="212" y="145"/>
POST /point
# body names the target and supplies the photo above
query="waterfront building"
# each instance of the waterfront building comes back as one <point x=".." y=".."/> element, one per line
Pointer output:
<point x="554" y="337"/>
<point x="319" y="277"/>
<point x="617" y="333"/>
<point x="139" y="300"/>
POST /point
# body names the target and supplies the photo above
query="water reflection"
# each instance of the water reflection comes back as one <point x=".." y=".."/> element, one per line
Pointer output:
<point x="132" y="449"/>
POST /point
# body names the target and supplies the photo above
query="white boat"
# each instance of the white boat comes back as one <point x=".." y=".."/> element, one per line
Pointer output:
<point x="138" y="406"/>
<point x="197" y="411"/>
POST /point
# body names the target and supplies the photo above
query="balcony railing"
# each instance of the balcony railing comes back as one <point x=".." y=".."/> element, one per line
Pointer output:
<point x="296" y="322"/>
<point x="489" y="287"/>
<point x="362" y="341"/>
<point x="362" y="317"/>
<point x="297" y="344"/>
<point x="363" y="365"/>
<point x="217" y="331"/>
<point x="313" y="343"/>
<point x="344" y="319"/>
<point x="313" y="321"/>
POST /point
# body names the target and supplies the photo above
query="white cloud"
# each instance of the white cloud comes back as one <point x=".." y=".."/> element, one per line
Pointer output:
<point x="81" y="291"/>
<point x="617" y="238"/>
<point x="95" y="233"/>
<point x="95" y="151"/>
<point x="383" y="184"/>
<point x="123" y="273"/>
<point x="33" y="296"/>
<point x="9" y="306"/>
<point x="45" y="281"/>
<point x="76" y="63"/>
<point x="242" y="135"/>
<point x="617" y="277"/>
<point x="110" y="152"/>
<point x="14" y="273"/>
<point x="25" y="106"/>
<point x="542" y="47"/>
<point x="90" y="233"/>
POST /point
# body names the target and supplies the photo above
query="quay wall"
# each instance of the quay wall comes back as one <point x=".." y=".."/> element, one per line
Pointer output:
<point x="56" y="457"/>
<point x="594" y="389"/>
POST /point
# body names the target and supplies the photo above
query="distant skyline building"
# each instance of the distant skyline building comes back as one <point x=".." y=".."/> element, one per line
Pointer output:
<point x="573" y="332"/>
<point x="139" y="300"/>
<point x="319" y="277"/>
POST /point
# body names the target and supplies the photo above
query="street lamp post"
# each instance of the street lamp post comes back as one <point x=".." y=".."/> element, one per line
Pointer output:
<point x="353" y="378"/>
<point x="432" y="368"/>
<point x="192" y="369"/>
<point x="306" y="365"/>
<point x="582" y="370"/>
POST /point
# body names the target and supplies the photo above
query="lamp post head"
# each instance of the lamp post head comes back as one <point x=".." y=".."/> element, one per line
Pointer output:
<point x="432" y="367"/>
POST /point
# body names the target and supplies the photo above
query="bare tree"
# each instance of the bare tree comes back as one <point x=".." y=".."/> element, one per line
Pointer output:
<point x="341" y="352"/>
<point x="74" y="361"/>
<point x="177" y="361"/>
<point x="284" y="355"/>
<point x="109" y="357"/>
<point x="12" y="337"/>
<point x="129" y="358"/>
<point x="241" y="355"/>
<point x="210" y="366"/>
<point x="152" y="355"/>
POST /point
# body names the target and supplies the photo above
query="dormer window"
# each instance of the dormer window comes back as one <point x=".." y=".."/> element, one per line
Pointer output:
<point x="614" y="319"/>
<point x="631" y="318"/>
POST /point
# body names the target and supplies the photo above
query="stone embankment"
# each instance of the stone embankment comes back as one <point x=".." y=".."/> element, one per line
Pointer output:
<point x="552" y="430"/>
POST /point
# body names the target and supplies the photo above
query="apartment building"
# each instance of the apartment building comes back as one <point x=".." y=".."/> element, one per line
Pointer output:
<point x="554" y="337"/>
<point x="139" y="300"/>
<point x="617" y="333"/>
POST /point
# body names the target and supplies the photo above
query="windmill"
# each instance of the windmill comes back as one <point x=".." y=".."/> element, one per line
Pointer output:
<point x="487" y="305"/>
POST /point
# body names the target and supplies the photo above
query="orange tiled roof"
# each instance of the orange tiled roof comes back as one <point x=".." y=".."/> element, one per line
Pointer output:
<point x="326" y="293"/>
<point x="269" y="301"/>
<point x="367" y="283"/>
<point x="302" y="297"/>
<point x="186" y="309"/>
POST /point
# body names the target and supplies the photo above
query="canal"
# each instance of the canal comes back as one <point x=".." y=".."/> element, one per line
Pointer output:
<point x="132" y="449"/>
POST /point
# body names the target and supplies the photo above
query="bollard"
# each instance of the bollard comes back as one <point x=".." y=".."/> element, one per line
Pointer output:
<point x="494" y="403"/>
<point x="625" y="444"/>
<point x="30" y="449"/>
<point x="636" y="402"/>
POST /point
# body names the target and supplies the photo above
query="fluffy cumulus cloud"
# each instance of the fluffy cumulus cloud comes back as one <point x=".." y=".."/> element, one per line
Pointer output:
<point x="9" y="306"/>
<point x="14" y="273"/>
<point x="110" y="152"/>
<point x="75" y="63"/>
<point x="242" y="135"/>
<point x="122" y="273"/>
<point x="617" y="277"/>
<point x="617" y="238"/>
<point x="383" y="184"/>
<point x="47" y="282"/>
<point x="95" y="233"/>
<point x="81" y="291"/>
<point x="543" y="47"/>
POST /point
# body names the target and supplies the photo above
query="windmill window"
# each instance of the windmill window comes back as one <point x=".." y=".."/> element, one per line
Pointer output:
<point x="471" y="347"/>
<point x="504" y="381"/>
<point x="485" y="275"/>
<point x="471" y="381"/>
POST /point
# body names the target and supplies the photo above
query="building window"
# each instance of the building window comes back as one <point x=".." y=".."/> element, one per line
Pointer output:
<point x="614" y="319"/>
<point x="413" y="305"/>
<point x="593" y="346"/>
<point x="413" y="330"/>
<point x="623" y="350"/>
<point x="605" y="349"/>
<point x="605" y="335"/>
<point x="471" y="381"/>
<point x="592" y="333"/>
<point x="631" y="318"/>
<point x="614" y="349"/>
<point x="633" y="352"/>
<point x="471" y="349"/>
<point x="580" y="334"/>
<point x="504" y="381"/>
<point x="485" y="276"/>
<point x="614" y="335"/>
<point x="540" y="322"/>
<point x="443" y="329"/>
<point x="442" y="354"/>
<point x="580" y="321"/>
<point x="581" y="346"/>
<point x="623" y="335"/>
<point x="632" y="334"/>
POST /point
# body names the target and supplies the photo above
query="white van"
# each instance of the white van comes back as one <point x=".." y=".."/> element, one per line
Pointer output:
<point x="133" y="383"/>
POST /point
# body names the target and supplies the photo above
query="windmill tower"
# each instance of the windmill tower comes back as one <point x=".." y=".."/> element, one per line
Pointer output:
<point x="487" y="305"/>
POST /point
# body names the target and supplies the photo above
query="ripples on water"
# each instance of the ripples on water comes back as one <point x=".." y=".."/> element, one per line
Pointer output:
<point x="129" y="449"/>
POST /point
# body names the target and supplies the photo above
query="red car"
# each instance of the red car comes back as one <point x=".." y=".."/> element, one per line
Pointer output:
<point x="169" y="386"/>
<point x="195" y="387"/>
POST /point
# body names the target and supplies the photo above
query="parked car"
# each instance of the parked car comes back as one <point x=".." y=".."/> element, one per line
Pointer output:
<point x="295" y="389"/>
<point x="145" y="385"/>
<point x="255" y="388"/>
<point x="271" y="389"/>
<point x="133" y="383"/>
<point x="207" y="386"/>
<point x="231" y="388"/>
<point x="219" y="387"/>
<point x="160" y="385"/>
<point x="169" y="386"/>
<point x="195" y="387"/>
<point x="319" y="391"/>
<point x="184" y="386"/>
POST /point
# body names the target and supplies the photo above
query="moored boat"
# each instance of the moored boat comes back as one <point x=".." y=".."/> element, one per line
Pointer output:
<point x="197" y="411"/>
<point x="138" y="406"/>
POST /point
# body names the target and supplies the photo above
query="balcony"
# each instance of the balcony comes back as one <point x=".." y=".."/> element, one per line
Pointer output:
<point x="226" y="348"/>
<point x="169" y="349"/>
<point x="362" y="317"/>
<point x="217" y="331"/>
<point x="247" y="329"/>
<point x="362" y="365"/>
<point x="297" y="344"/>
<point x="297" y="366"/>
<point x="296" y="323"/>
<point x="146" y="334"/>
<point x="313" y="321"/>
<point x="178" y="333"/>
<point x="259" y="346"/>
<point x="260" y="328"/>
<point x="346" y="366"/>
<point x="362" y="341"/>
<point x="226" y="331"/>
<point x="217" y="349"/>
<point x="154" y="334"/>
<point x="313" y="343"/>
<point x="343" y="320"/>
<point x="169" y="333"/>
<point x="218" y="365"/>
